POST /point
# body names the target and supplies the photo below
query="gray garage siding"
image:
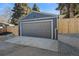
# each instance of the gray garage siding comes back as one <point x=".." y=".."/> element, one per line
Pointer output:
<point x="43" y="29"/>
<point x="37" y="29"/>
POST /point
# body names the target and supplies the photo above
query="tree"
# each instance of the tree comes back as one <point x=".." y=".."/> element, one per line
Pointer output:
<point x="35" y="7"/>
<point x="19" y="10"/>
<point x="70" y="10"/>
<point x="77" y="9"/>
<point x="64" y="9"/>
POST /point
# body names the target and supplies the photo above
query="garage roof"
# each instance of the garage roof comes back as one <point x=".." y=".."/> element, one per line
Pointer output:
<point x="35" y="15"/>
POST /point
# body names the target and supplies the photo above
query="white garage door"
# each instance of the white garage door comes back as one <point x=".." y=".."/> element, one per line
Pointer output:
<point x="36" y="29"/>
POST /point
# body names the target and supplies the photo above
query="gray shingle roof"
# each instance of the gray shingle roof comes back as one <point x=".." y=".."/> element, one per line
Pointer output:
<point x="35" y="14"/>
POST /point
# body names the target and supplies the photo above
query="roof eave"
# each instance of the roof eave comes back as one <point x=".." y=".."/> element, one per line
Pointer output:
<point x="46" y="18"/>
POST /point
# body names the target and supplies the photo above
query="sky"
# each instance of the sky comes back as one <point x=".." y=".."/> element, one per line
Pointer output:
<point x="44" y="7"/>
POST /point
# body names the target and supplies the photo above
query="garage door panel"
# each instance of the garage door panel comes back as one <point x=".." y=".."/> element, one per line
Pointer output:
<point x="37" y="29"/>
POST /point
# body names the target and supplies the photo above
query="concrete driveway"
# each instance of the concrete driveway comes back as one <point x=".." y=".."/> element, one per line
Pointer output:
<point x="42" y="43"/>
<point x="65" y="48"/>
<point x="13" y="49"/>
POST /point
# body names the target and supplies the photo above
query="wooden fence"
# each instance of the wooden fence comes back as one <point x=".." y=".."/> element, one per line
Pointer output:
<point x="68" y="26"/>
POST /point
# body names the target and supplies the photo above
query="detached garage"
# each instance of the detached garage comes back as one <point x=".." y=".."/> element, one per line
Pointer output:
<point x="38" y="24"/>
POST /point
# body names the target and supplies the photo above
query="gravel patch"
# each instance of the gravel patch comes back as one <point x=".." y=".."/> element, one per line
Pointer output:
<point x="6" y="37"/>
<point x="6" y="48"/>
<point x="67" y="50"/>
<point x="69" y="45"/>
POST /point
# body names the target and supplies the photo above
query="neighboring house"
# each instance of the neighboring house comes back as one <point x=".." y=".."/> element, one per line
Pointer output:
<point x="38" y="24"/>
<point x="3" y="26"/>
